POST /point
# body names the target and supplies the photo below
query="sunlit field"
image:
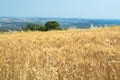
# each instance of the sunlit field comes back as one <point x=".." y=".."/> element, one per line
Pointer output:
<point x="85" y="54"/>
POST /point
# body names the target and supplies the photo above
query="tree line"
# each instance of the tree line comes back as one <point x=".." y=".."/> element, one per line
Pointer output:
<point x="49" y="25"/>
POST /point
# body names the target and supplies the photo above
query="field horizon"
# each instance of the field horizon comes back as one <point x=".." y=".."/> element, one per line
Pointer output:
<point x="74" y="54"/>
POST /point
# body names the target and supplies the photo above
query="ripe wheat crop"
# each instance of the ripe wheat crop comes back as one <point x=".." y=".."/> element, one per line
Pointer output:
<point x="86" y="54"/>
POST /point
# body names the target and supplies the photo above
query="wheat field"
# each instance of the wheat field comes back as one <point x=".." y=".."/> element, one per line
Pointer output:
<point x="83" y="54"/>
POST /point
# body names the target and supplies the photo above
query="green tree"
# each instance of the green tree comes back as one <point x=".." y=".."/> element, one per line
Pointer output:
<point x="52" y="25"/>
<point x="33" y="27"/>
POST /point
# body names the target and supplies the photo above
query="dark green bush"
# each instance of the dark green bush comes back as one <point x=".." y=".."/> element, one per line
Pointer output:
<point x="33" y="27"/>
<point x="52" y="25"/>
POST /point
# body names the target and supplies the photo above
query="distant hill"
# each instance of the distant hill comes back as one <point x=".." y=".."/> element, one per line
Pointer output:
<point x="15" y="23"/>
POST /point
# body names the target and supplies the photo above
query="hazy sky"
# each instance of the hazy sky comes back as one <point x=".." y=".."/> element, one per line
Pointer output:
<point x="61" y="8"/>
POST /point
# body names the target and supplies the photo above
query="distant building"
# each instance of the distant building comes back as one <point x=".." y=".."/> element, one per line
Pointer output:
<point x="92" y="26"/>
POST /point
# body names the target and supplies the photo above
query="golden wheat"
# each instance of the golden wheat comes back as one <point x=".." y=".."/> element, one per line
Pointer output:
<point x="86" y="54"/>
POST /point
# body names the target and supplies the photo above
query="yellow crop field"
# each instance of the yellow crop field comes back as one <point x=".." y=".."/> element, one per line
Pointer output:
<point x="83" y="54"/>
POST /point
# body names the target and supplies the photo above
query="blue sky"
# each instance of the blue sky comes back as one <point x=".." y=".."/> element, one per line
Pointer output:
<point x="108" y="9"/>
